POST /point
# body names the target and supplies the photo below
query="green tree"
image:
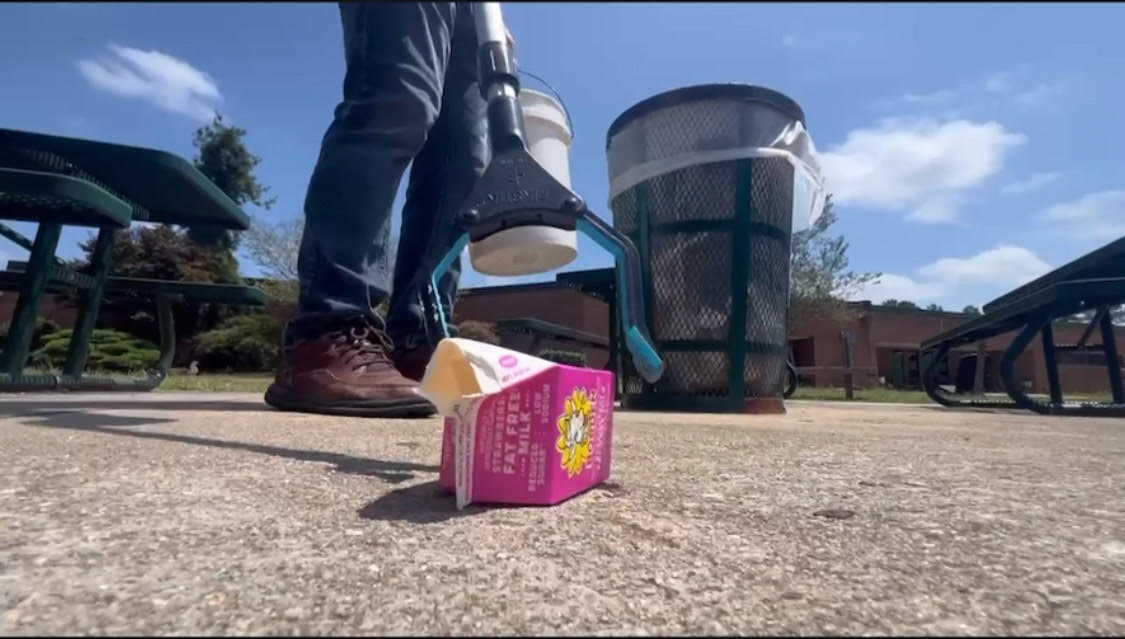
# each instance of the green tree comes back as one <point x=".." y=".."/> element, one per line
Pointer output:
<point x="160" y="252"/>
<point x="893" y="303"/>
<point x="936" y="308"/>
<point x="971" y="310"/>
<point x="820" y="280"/>
<point x="164" y="253"/>
<point x="225" y="160"/>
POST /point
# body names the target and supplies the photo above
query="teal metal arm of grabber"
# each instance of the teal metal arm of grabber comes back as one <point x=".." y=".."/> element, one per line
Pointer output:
<point x="498" y="202"/>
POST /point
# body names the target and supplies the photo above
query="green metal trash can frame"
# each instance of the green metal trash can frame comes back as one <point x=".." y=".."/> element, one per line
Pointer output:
<point x="709" y="182"/>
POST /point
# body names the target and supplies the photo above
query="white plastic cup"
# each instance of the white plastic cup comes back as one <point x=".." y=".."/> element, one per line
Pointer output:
<point x="527" y="250"/>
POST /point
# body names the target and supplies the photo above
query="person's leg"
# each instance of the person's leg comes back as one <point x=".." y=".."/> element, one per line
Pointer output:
<point x="442" y="176"/>
<point x="336" y="355"/>
<point x="397" y="54"/>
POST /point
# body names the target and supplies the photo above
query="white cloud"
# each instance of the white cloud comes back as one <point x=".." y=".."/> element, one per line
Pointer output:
<point x="1089" y="207"/>
<point x="921" y="167"/>
<point x="1031" y="183"/>
<point x="935" y="97"/>
<point x="1098" y="215"/>
<point x="1039" y="95"/>
<point x="981" y="95"/>
<point x="161" y="80"/>
<point x="1003" y="266"/>
<point x="998" y="83"/>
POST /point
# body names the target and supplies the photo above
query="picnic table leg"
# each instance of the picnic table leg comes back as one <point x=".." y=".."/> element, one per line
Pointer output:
<point x="1052" y="364"/>
<point x="849" y="352"/>
<point x="1112" y="360"/>
<point x="1008" y="364"/>
<point x="34" y="284"/>
<point x="791" y="379"/>
<point x="101" y="261"/>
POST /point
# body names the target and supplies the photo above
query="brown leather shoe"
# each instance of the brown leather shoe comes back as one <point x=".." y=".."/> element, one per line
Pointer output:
<point x="345" y="372"/>
<point x="412" y="362"/>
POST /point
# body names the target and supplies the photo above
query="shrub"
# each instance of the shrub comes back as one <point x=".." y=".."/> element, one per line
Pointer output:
<point x="43" y="328"/>
<point x="570" y="358"/>
<point x="478" y="331"/>
<point x="110" y="350"/>
<point x="243" y="343"/>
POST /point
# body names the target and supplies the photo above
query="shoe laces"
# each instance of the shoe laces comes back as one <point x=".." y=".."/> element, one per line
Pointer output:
<point x="362" y="345"/>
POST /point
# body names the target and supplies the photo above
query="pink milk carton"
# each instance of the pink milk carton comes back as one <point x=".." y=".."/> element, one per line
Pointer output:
<point x="518" y="429"/>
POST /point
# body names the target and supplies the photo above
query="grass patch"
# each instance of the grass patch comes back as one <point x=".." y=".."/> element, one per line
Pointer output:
<point x="879" y="395"/>
<point x="178" y="380"/>
<point x="902" y="396"/>
<point x="258" y="382"/>
<point x="218" y="382"/>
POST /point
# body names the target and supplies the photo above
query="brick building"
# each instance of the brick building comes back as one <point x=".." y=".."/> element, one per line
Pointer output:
<point x="886" y="339"/>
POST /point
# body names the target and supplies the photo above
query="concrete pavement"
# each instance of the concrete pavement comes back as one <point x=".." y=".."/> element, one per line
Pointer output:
<point x="210" y="514"/>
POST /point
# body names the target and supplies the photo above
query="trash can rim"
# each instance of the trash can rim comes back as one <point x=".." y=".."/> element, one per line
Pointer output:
<point x="675" y="97"/>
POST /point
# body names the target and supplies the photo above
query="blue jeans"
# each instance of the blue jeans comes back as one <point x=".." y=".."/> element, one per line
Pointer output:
<point x="410" y="94"/>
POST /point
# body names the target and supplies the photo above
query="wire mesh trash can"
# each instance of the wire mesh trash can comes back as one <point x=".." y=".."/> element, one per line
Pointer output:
<point x="709" y="182"/>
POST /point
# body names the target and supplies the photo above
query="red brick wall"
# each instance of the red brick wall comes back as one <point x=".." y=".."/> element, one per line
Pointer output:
<point x="877" y="332"/>
<point x="51" y="308"/>
<point x="563" y="306"/>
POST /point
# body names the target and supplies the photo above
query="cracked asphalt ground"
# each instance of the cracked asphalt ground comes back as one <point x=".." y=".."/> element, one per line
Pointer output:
<point x="211" y="514"/>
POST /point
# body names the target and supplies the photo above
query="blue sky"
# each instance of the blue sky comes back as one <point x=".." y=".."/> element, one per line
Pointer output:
<point x="969" y="146"/>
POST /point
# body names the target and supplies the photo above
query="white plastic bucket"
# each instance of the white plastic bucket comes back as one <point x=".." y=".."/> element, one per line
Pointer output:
<point x="527" y="250"/>
<point x="548" y="134"/>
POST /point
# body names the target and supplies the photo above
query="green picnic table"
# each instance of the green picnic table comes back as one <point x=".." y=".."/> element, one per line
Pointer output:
<point x="58" y="181"/>
<point x="1093" y="282"/>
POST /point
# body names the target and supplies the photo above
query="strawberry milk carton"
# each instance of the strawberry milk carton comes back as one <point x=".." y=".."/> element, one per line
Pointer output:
<point x="518" y="429"/>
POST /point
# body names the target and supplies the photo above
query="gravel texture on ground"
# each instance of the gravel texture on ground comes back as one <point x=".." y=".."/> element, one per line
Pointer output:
<point x="211" y="514"/>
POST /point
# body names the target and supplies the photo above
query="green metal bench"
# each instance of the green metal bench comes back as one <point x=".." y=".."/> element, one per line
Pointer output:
<point x="162" y="292"/>
<point x="1095" y="281"/>
<point x="57" y="181"/>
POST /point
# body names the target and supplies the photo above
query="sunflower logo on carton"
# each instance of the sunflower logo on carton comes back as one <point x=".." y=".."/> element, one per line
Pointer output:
<point x="575" y="425"/>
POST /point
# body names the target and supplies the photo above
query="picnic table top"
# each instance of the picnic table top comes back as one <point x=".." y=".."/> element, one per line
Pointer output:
<point x="1107" y="261"/>
<point x="1014" y="315"/>
<point x="162" y="187"/>
<point x="25" y="195"/>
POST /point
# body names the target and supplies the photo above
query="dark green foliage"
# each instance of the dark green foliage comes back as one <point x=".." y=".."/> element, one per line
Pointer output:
<point x="225" y="160"/>
<point x="971" y="310"/>
<point x="110" y="350"/>
<point x="936" y="308"/>
<point x="163" y="253"/>
<point x="570" y="358"/>
<point x="243" y="343"/>
<point x="478" y="331"/>
<point x="820" y="281"/>
<point x="893" y="303"/>
<point x="43" y="328"/>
